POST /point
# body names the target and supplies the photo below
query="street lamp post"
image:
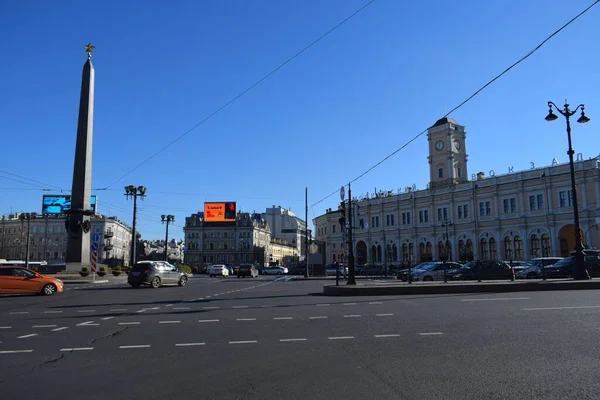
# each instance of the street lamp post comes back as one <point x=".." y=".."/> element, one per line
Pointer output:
<point x="446" y="224"/>
<point x="132" y="191"/>
<point x="28" y="217"/>
<point x="580" y="271"/>
<point x="168" y="219"/>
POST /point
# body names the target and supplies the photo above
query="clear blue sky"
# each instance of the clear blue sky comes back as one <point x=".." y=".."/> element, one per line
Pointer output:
<point x="323" y="119"/>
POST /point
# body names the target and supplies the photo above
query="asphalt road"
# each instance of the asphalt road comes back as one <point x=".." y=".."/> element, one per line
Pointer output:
<point x="276" y="338"/>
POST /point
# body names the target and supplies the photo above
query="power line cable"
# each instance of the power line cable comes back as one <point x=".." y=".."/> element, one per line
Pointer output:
<point x="467" y="99"/>
<point x="227" y="104"/>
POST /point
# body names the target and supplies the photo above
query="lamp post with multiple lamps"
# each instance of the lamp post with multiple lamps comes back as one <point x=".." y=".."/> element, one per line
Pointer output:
<point x="28" y="217"/>
<point x="132" y="191"/>
<point x="580" y="272"/>
<point x="446" y="224"/>
<point x="168" y="219"/>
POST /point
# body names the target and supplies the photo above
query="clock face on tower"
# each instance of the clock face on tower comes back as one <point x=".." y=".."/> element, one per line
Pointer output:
<point x="457" y="144"/>
<point x="439" y="145"/>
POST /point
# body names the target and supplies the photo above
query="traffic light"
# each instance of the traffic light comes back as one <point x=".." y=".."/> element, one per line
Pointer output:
<point x="343" y="217"/>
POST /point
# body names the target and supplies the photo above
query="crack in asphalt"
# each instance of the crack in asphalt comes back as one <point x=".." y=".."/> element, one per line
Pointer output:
<point x="51" y="361"/>
<point x="110" y="335"/>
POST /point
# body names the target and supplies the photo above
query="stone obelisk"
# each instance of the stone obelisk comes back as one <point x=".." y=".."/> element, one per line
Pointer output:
<point x="78" y="218"/>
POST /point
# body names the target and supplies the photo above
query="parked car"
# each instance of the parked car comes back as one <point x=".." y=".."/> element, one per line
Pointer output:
<point x="156" y="274"/>
<point x="330" y="270"/>
<point x="297" y="270"/>
<point x="403" y="273"/>
<point x="434" y="271"/>
<point x="533" y="269"/>
<point x="15" y="279"/>
<point x="564" y="268"/>
<point x="247" y="270"/>
<point x="275" y="271"/>
<point x="231" y="270"/>
<point x="218" y="269"/>
<point x="482" y="269"/>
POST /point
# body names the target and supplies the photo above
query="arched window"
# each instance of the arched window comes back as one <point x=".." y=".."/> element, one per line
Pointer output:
<point x="440" y="169"/>
<point x="518" y="243"/>
<point x="469" y="250"/>
<point x="388" y="256"/>
<point x="429" y="251"/>
<point x="334" y="258"/>
<point x="394" y="253"/>
<point x="441" y="250"/>
<point x="546" y="246"/>
<point x="535" y="246"/>
<point x="483" y="248"/>
<point x="411" y="252"/>
<point x="458" y="170"/>
<point x="462" y="251"/>
<point x="373" y="254"/>
<point x="404" y="252"/>
<point x="422" y="255"/>
<point x="379" y="253"/>
<point x="508" y="248"/>
<point x="493" y="251"/>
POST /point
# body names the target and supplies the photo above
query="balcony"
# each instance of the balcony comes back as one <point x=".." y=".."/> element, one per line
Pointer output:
<point x="108" y="234"/>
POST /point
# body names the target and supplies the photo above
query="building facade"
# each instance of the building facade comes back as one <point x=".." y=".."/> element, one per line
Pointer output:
<point x="285" y="225"/>
<point x="282" y="252"/>
<point x="247" y="240"/>
<point x="48" y="238"/>
<point x="516" y="216"/>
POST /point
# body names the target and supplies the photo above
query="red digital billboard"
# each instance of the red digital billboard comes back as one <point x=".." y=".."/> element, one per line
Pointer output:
<point x="220" y="212"/>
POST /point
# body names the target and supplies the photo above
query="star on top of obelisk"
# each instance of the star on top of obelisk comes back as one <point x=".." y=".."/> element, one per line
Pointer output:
<point x="88" y="49"/>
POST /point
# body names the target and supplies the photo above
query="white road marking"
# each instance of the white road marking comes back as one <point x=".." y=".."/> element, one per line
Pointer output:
<point x="135" y="346"/>
<point x="267" y="306"/>
<point x="181" y="308"/>
<point x="240" y="306"/>
<point x="52" y="312"/>
<point x="170" y="305"/>
<point x="243" y="341"/>
<point x="15" y="351"/>
<point x="383" y="315"/>
<point x="199" y="298"/>
<point x="27" y="336"/>
<point x="77" y="348"/>
<point x="189" y="344"/>
<point x="19" y="312"/>
<point x="5" y="327"/>
<point x="169" y="322"/>
<point x="44" y="326"/>
<point x="246" y="319"/>
<point x="60" y="329"/>
<point x="87" y="323"/>
<point x="208" y="320"/>
<point x="430" y="333"/>
<point x="118" y="309"/>
<point x="293" y="340"/>
<point x="86" y="310"/>
<point x="211" y="308"/>
<point x="349" y="304"/>
<point x="323" y="304"/>
<point x="388" y="335"/>
<point x="129" y="323"/>
<point x="319" y="317"/>
<point x="375" y="302"/>
<point x="283" y="318"/>
<point x="497" y="299"/>
<point x="351" y="316"/>
<point x="106" y="318"/>
<point x="559" y="308"/>
<point x="340" y="337"/>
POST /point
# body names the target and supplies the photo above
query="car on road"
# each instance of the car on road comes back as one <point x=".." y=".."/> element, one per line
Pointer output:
<point x="14" y="279"/>
<point x="564" y="268"/>
<point x="482" y="269"/>
<point x="218" y="269"/>
<point x="434" y="271"/>
<point x="275" y="271"/>
<point x="297" y="270"/>
<point x="402" y="274"/>
<point x="331" y="270"/>
<point x="156" y="274"/>
<point x="247" y="270"/>
<point x="534" y="268"/>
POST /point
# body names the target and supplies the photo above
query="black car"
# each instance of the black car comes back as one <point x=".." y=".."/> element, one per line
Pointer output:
<point x="247" y="270"/>
<point x="482" y="269"/>
<point x="156" y="274"/>
<point x="564" y="268"/>
<point x="297" y="270"/>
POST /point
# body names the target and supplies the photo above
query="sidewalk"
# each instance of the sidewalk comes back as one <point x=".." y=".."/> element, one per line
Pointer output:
<point x="403" y="288"/>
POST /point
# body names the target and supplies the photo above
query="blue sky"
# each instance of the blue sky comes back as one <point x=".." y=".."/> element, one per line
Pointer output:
<point x="320" y="121"/>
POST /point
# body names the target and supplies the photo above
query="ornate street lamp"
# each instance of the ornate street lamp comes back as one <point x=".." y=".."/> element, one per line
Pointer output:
<point x="132" y="191"/>
<point x="580" y="272"/>
<point x="168" y="219"/>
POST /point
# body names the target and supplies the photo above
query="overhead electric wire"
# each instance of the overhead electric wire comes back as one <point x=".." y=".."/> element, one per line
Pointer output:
<point x="227" y="104"/>
<point x="467" y="99"/>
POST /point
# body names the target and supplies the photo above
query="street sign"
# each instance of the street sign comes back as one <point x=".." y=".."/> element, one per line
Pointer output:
<point x="342" y="193"/>
<point x="95" y="246"/>
<point x="95" y="237"/>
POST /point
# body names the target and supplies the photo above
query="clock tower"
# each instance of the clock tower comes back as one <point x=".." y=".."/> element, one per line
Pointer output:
<point x="447" y="153"/>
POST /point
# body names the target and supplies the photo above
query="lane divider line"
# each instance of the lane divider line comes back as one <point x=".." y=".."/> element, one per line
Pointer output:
<point x="62" y="328"/>
<point x="118" y="309"/>
<point x="293" y="340"/>
<point x="52" y="312"/>
<point x="77" y="349"/>
<point x="388" y="335"/>
<point x="208" y="320"/>
<point x="135" y="346"/>
<point x="5" y="327"/>
<point x="243" y="341"/>
<point x="430" y="333"/>
<point x="44" y="326"/>
<point x="15" y="351"/>
<point x="189" y="344"/>
<point x="559" y="308"/>
<point x="279" y="318"/>
<point x="383" y="315"/>
<point x="246" y="319"/>
<point x="106" y="318"/>
<point x="340" y="337"/>
<point x="352" y="316"/>
<point x="169" y="322"/>
<point x="319" y="317"/>
<point x="129" y="323"/>
<point x="27" y="336"/>
<point x="82" y="311"/>
<point x="496" y="299"/>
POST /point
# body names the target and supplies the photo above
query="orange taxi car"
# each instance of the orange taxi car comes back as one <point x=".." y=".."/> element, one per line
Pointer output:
<point x="22" y="280"/>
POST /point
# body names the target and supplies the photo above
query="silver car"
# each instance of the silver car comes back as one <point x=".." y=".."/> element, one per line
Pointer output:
<point x="275" y="271"/>
<point x="434" y="271"/>
<point x="534" y="268"/>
